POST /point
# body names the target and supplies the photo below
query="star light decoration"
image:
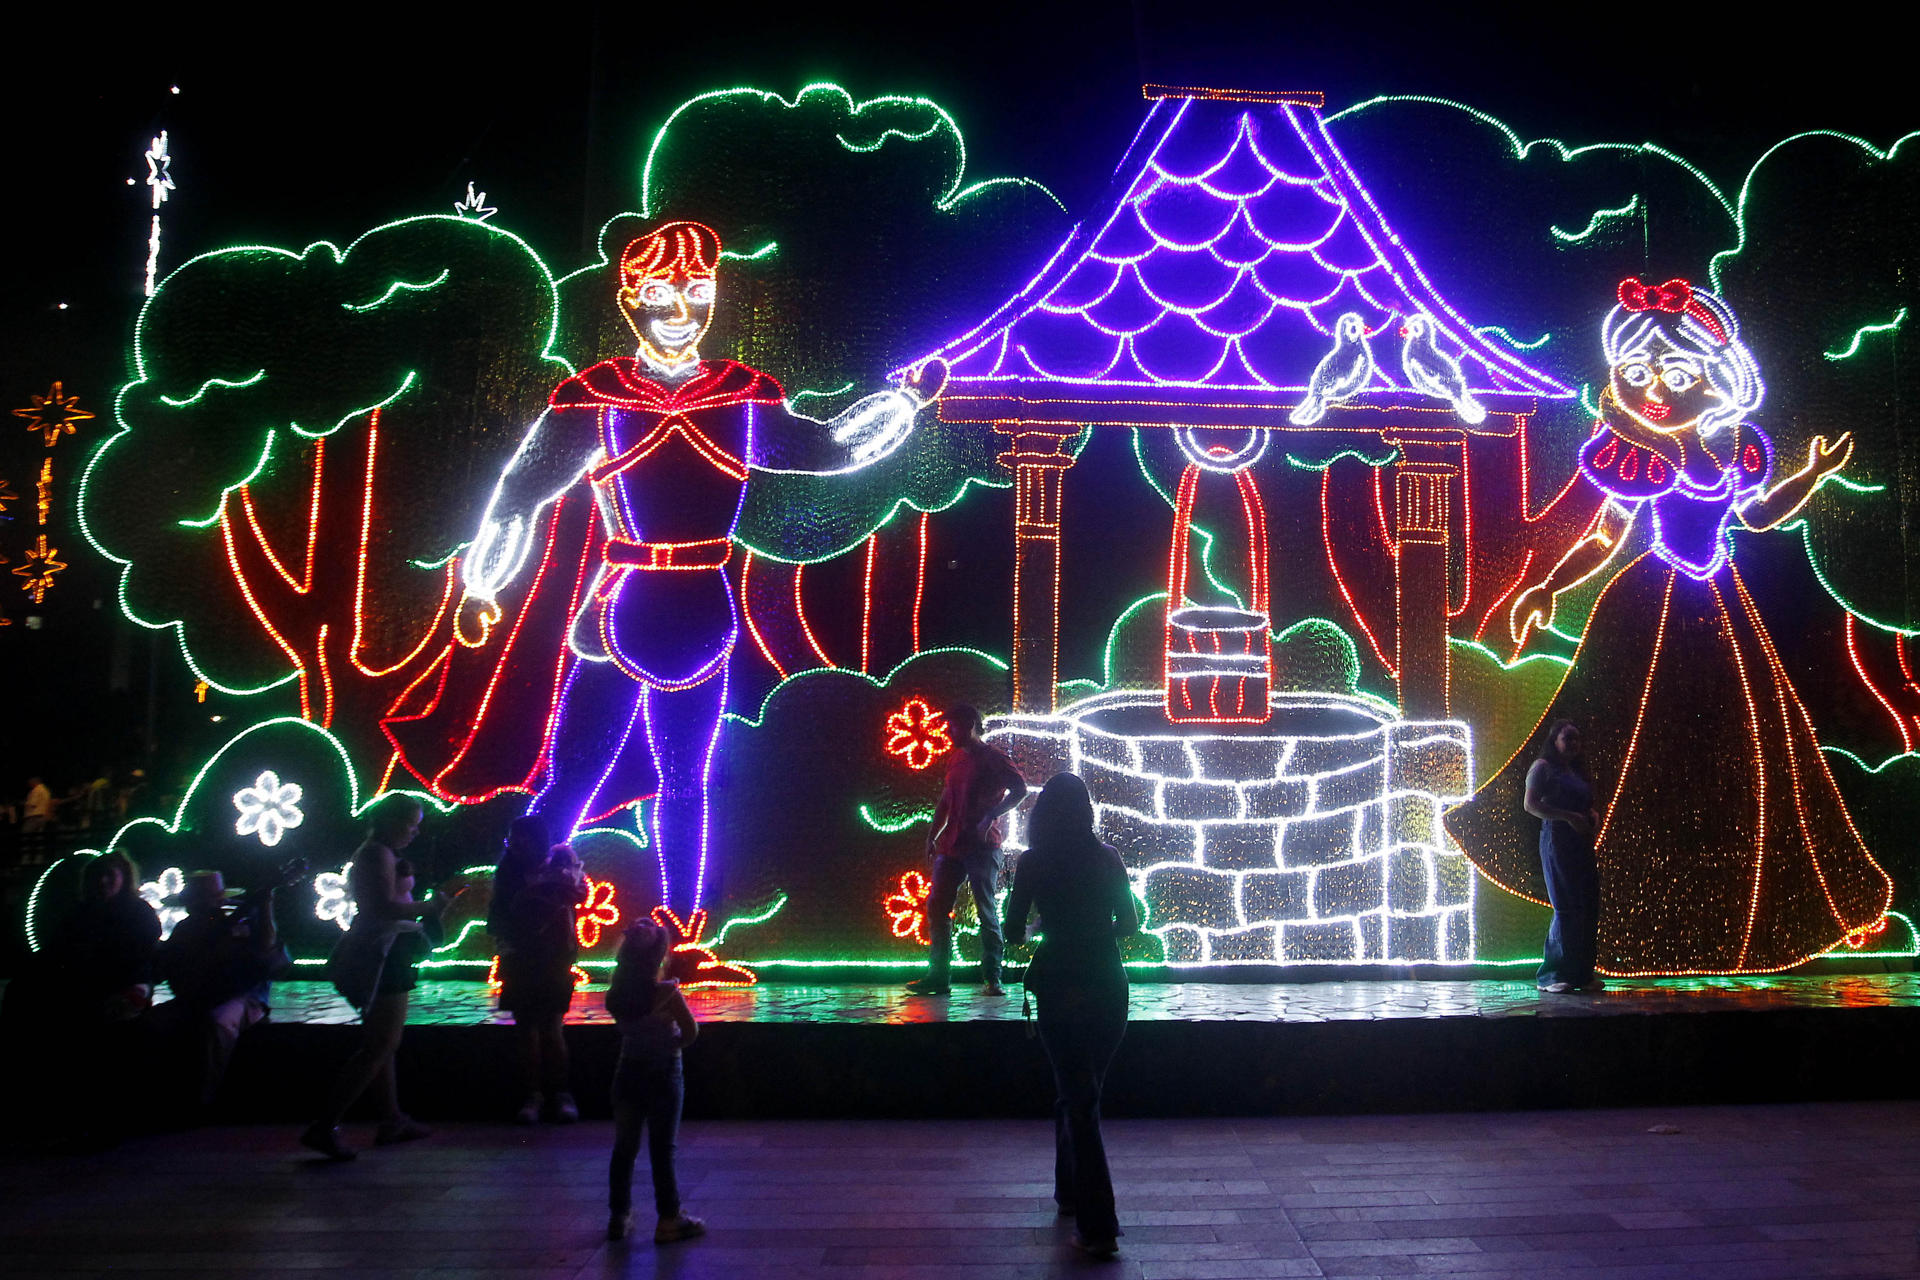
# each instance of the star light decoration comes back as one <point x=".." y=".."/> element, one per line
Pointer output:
<point x="330" y="888"/>
<point x="269" y="808"/>
<point x="918" y="734"/>
<point x="7" y="495"/>
<point x="41" y="563"/>
<point x="155" y="893"/>
<point x="474" y="206"/>
<point x="53" y="414"/>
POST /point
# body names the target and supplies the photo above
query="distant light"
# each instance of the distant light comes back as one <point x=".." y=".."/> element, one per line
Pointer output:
<point x="215" y="719"/>
<point x="63" y="306"/>
<point x="174" y="89"/>
<point x="132" y="183"/>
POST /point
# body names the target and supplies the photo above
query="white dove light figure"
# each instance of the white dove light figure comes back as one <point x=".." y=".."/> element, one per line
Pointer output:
<point x="1341" y="374"/>
<point x="1432" y="372"/>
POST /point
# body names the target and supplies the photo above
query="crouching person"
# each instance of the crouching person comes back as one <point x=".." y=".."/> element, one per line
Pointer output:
<point x="220" y="962"/>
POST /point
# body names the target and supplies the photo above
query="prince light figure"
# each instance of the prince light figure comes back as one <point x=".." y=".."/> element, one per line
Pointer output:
<point x="669" y="443"/>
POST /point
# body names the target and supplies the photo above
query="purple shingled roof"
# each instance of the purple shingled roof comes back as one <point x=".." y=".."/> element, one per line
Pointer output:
<point x="1238" y="240"/>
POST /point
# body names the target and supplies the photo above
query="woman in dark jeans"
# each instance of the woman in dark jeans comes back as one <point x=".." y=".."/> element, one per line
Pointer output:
<point x="1080" y="887"/>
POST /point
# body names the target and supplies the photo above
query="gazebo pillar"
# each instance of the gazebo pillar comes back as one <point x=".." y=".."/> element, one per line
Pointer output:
<point x="1038" y="460"/>
<point x="1423" y="482"/>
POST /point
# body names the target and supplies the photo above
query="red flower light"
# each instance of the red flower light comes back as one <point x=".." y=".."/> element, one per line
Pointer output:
<point x="906" y="908"/>
<point x="918" y="734"/>
<point x="596" y="913"/>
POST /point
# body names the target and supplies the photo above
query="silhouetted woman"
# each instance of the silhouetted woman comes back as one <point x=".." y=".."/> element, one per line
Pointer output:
<point x="384" y="909"/>
<point x="1080" y="888"/>
<point x="531" y="920"/>
<point x="1560" y="794"/>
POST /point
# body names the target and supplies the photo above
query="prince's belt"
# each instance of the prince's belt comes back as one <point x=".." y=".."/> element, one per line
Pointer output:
<point x="713" y="553"/>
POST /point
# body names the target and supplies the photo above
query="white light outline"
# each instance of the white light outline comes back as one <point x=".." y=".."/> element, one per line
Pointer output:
<point x="268" y="809"/>
<point x="1389" y="738"/>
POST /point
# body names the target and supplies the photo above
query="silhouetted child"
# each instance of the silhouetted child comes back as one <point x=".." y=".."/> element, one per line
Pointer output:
<point x="648" y="1088"/>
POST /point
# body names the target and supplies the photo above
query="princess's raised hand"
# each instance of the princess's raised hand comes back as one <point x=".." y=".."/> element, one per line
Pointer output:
<point x="1534" y="608"/>
<point x="1825" y="458"/>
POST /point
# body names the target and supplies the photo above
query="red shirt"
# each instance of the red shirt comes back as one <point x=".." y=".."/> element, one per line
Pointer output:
<point x="978" y="780"/>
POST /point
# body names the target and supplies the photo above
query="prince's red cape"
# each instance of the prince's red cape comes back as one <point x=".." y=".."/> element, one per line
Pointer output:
<point x="480" y="720"/>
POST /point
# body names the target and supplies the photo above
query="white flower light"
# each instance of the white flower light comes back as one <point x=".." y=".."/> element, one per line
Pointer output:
<point x="156" y="892"/>
<point x="268" y="809"/>
<point x="334" y="904"/>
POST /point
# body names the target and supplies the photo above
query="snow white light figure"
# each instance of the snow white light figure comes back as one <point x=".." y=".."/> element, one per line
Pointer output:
<point x="1726" y="847"/>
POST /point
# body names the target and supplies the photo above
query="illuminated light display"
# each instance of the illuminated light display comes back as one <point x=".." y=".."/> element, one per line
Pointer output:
<point x="1313" y="839"/>
<point x="236" y="757"/>
<point x="694" y="963"/>
<point x="666" y="442"/>
<point x="474" y="205"/>
<point x="1600" y="218"/>
<point x="268" y="809"/>
<point x="159" y="184"/>
<point x="163" y="895"/>
<point x="43" y="491"/>
<point x="1219" y="661"/>
<point x="880" y="108"/>
<point x="7" y="495"/>
<point x="918" y="734"/>
<point x="1726" y="848"/>
<point x="330" y="897"/>
<point x="596" y="913"/>
<point x="1852" y="348"/>
<point x="39" y="565"/>
<point x="1205" y="296"/>
<point x="1240" y="281"/>
<point x="906" y="907"/>
<point x="53" y="414"/>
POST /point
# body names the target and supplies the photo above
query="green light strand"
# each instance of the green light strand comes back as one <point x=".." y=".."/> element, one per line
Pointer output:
<point x="742" y="922"/>
<point x="955" y="192"/>
<point x="1859" y="335"/>
<point x="766" y="250"/>
<point x="1503" y="664"/>
<point x="1874" y="768"/>
<point x="886" y="828"/>
<point x="442" y="562"/>
<point x="1565" y="152"/>
<point x="220" y="507"/>
<point x="1874" y="154"/>
<point x="398" y="287"/>
<point x="1512" y="341"/>
<point x="1599" y="219"/>
<point x="465" y="929"/>
<point x="223" y="383"/>
<point x="1389" y="457"/>
<point x="798" y="396"/>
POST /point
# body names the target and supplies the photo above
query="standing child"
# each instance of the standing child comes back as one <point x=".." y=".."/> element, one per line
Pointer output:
<point x="648" y="1088"/>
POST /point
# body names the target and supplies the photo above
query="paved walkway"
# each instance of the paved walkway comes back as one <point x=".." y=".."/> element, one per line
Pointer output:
<point x="1742" y="1193"/>
<point x="466" y="1003"/>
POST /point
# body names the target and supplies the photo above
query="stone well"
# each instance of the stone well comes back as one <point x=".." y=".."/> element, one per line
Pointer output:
<point x="1312" y="838"/>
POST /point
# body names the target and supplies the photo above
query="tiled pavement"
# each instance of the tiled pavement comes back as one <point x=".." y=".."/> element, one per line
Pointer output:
<point x="1740" y="1193"/>
<point x="469" y="1003"/>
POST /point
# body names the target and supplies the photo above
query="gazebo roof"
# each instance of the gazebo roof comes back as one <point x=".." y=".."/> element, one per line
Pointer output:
<point x="1208" y="290"/>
